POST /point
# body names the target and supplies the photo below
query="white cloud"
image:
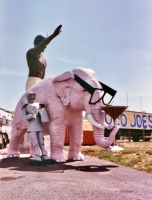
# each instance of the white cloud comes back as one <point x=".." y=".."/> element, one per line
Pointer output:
<point x="10" y="72"/>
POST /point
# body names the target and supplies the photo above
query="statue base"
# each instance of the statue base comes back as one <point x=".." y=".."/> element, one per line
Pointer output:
<point x="43" y="162"/>
<point x="114" y="148"/>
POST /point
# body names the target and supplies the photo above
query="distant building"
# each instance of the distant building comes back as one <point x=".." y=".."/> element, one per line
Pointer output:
<point x="6" y="118"/>
<point x="133" y="125"/>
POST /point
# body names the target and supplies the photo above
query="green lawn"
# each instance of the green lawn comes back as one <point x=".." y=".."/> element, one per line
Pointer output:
<point x="137" y="155"/>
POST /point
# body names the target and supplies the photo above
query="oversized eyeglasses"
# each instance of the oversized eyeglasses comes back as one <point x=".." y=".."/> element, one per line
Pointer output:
<point x="95" y="98"/>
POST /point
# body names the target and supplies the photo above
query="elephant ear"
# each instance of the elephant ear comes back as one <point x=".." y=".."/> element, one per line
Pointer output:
<point x="63" y="77"/>
<point x="63" y="84"/>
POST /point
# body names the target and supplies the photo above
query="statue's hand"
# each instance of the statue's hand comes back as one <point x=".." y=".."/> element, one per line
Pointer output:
<point x="57" y="30"/>
<point x="34" y="114"/>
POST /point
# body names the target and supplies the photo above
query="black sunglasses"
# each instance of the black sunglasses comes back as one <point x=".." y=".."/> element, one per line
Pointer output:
<point x="105" y="89"/>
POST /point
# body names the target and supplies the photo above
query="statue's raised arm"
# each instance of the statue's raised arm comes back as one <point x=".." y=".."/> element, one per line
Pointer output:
<point x="35" y="60"/>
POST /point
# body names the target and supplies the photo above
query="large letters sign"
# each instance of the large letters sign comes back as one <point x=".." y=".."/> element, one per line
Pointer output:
<point x="132" y="120"/>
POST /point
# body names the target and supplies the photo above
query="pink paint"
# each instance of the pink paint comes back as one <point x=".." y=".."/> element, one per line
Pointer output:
<point x="64" y="100"/>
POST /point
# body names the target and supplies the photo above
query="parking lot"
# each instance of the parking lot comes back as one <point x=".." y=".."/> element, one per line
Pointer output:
<point x="89" y="179"/>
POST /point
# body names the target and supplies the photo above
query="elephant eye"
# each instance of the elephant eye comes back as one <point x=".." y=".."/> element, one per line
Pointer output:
<point x="83" y="90"/>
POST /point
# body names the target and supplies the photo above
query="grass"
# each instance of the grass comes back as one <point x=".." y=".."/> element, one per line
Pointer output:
<point x="137" y="155"/>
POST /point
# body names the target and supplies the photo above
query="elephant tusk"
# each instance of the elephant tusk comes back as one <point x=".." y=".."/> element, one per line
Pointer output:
<point x="93" y="121"/>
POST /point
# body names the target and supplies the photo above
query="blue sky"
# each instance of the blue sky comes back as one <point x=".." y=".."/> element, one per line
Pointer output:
<point x="113" y="37"/>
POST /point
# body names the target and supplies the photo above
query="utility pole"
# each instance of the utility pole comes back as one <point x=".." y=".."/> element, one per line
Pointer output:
<point x="129" y="128"/>
<point x="141" y="103"/>
<point x="142" y="122"/>
<point x="127" y="98"/>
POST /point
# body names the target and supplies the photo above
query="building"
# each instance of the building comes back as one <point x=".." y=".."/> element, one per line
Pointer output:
<point x="6" y="118"/>
<point x="133" y="125"/>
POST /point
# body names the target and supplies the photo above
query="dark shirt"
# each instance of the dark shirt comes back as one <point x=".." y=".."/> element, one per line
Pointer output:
<point x="35" y="60"/>
<point x="36" y="63"/>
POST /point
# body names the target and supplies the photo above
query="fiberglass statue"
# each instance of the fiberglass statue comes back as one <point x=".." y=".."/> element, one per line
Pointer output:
<point x="65" y="97"/>
<point x="35" y="60"/>
<point x="35" y="114"/>
<point x="37" y="66"/>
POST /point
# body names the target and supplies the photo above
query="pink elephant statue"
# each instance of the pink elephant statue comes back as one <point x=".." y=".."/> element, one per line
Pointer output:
<point x="65" y="97"/>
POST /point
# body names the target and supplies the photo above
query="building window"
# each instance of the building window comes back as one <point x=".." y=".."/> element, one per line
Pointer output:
<point x="4" y="120"/>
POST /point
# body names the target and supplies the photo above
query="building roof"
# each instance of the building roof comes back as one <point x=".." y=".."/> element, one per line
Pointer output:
<point x="87" y="126"/>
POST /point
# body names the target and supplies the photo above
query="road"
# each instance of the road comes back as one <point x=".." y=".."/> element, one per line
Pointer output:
<point x="89" y="179"/>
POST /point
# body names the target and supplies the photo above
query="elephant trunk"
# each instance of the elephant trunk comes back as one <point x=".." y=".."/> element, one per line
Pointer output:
<point x="99" y="133"/>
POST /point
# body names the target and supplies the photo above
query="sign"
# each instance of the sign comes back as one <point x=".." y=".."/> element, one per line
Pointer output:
<point x="132" y="120"/>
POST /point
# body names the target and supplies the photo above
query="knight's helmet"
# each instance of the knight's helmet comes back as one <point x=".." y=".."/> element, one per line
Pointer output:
<point x="38" y="39"/>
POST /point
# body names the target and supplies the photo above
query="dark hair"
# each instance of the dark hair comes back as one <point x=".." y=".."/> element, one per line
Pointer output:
<point x="38" y="39"/>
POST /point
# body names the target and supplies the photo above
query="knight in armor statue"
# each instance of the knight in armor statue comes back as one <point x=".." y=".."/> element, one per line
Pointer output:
<point x="35" y="113"/>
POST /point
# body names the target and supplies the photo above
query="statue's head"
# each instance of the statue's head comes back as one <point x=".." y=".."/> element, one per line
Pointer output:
<point x="38" y="39"/>
<point x="31" y="96"/>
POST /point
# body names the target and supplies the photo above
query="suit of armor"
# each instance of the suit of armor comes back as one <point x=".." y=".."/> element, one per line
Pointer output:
<point x="35" y="114"/>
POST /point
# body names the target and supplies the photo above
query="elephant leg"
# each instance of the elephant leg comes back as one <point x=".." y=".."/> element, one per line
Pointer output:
<point x="57" y="133"/>
<point x="76" y="138"/>
<point x="18" y="132"/>
<point x="13" y="149"/>
<point x="26" y="145"/>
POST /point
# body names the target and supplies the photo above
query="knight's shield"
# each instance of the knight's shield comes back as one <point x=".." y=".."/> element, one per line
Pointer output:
<point x="44" y="115"/>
